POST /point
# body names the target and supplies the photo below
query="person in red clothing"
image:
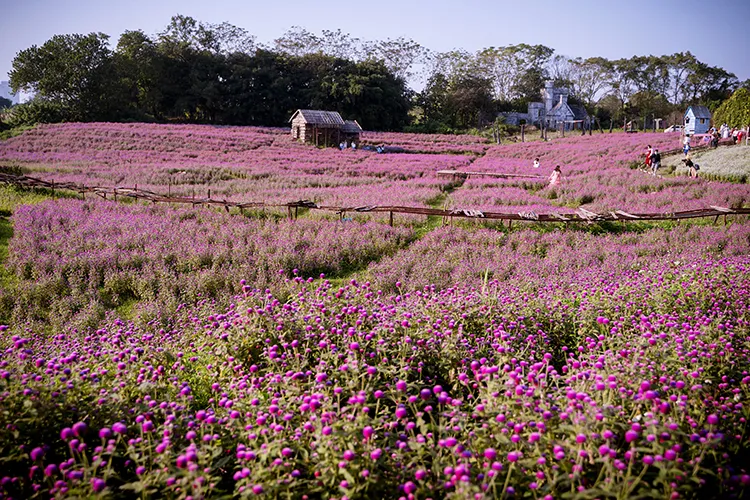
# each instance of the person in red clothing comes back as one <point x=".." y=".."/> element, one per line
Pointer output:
<point x="649" y="153"/>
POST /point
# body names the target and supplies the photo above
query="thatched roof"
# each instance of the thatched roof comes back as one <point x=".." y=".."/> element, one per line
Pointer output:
<point x="320" y="118"/>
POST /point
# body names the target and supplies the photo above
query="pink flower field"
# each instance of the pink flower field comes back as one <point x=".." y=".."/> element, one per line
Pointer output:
<point x="265" y="165"/>
<point x="171" y="351"/>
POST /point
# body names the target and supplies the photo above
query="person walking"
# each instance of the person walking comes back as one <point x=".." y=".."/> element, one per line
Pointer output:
<point x="655" y="162"/>
<point x="686" y="145"/>
<point x="649" y="152"/>
<point x="536" y="163"/>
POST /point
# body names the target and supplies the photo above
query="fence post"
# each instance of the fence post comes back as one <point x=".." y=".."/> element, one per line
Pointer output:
<point x="390" y="218"/>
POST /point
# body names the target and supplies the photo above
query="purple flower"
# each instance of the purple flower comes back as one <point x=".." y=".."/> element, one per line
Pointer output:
<point x="367" y="432"/>
<point x="80" y="428"/>
<point x="631" y="435"/>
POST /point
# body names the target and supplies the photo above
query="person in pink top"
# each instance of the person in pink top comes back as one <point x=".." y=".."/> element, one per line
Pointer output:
<point x="554" y="178"/>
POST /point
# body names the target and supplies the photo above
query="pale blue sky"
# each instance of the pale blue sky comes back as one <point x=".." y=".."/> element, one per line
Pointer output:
<point x="714" y="31"/>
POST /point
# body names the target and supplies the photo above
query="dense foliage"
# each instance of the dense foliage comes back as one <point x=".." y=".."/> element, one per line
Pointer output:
<point x="205" y="73"/>
<point x="735" y="111"/>
<point x="187" y="74"/>
<point x="633" y="386"/>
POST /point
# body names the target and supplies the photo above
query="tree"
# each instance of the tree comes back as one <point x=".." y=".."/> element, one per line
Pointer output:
<point x="5" y="103"/>
<point x="399" y="55"/>
<point x="184" y="34"/>
<point x="648" y="105"/>
<point x="433" y="99"/>
<point x="709" y="84"/>
<point x="297" y="41"/>
<point x="735" y="111"/>
<point x="516" y="71"/>
<point x="140" y="65"/>
<point x="679" y="68"/>
<point x="75" y="71"/>
<point x="469" y="101"/>
<point x="611" y="107"/>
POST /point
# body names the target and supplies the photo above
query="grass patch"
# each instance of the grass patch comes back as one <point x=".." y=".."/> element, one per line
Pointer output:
<point x="127" y="310"/>
<point x="7" y="134"/>
<point x="13" y="196"/>
<point x="8" y="280"/>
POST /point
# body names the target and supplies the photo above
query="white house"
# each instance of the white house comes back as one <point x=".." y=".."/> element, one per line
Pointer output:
<point x="555" y="111"/>
<point x="697" y="120"/>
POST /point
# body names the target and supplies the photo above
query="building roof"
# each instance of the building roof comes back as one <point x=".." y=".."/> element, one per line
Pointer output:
<point x="351" y="127"/>
<point x="559" y="107"/>
<point x="579" y="112"/>
<point x="700" y="111"/>
<point x="317" y="117"/>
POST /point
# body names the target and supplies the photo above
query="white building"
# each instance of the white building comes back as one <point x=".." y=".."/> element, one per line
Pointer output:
<point x="6" y="93"/>
<point x="555" y="110"/>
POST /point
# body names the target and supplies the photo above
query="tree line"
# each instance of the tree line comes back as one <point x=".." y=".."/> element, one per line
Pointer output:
<point x="218" y="73"/>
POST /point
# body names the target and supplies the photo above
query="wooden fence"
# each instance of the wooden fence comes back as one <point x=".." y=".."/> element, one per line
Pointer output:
<point x="581" y="215"/>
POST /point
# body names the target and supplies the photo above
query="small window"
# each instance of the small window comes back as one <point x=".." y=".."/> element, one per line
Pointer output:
<point x="703" y="120"/>
<point x="687" y="120"/>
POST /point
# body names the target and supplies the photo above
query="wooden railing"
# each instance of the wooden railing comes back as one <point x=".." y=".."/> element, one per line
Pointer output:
<point x="581" y="215"/>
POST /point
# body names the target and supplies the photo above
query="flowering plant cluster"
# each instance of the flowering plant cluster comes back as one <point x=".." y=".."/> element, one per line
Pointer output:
<point x="76" y="259"/>
<point x="235" y="163"/>
<point x="635" y="387"/>
<point x="595" y="176"/>
<point x="253" y="356"/>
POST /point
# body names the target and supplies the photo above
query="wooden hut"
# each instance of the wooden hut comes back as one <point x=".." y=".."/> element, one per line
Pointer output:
<point x="322" y="128"/>
<point x="697" y="120"/>
<point x="351" y="131"/>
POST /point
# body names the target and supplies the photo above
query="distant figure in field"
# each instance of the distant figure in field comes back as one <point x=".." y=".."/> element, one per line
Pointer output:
<point x="655" y="161"/>
<point x="554" y="178"/>
<point x="354" y="145"/>
<point x="715" y="139"/>
<point x="536" y="163"/>
<point x="693" y="172"/>
<point x="686" y="145"/>
<point x="342" y="145"/>
<point x="649" y="152"/>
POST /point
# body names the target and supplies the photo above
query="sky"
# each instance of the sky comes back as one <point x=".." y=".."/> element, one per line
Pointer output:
<point x="716" y="32"/>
